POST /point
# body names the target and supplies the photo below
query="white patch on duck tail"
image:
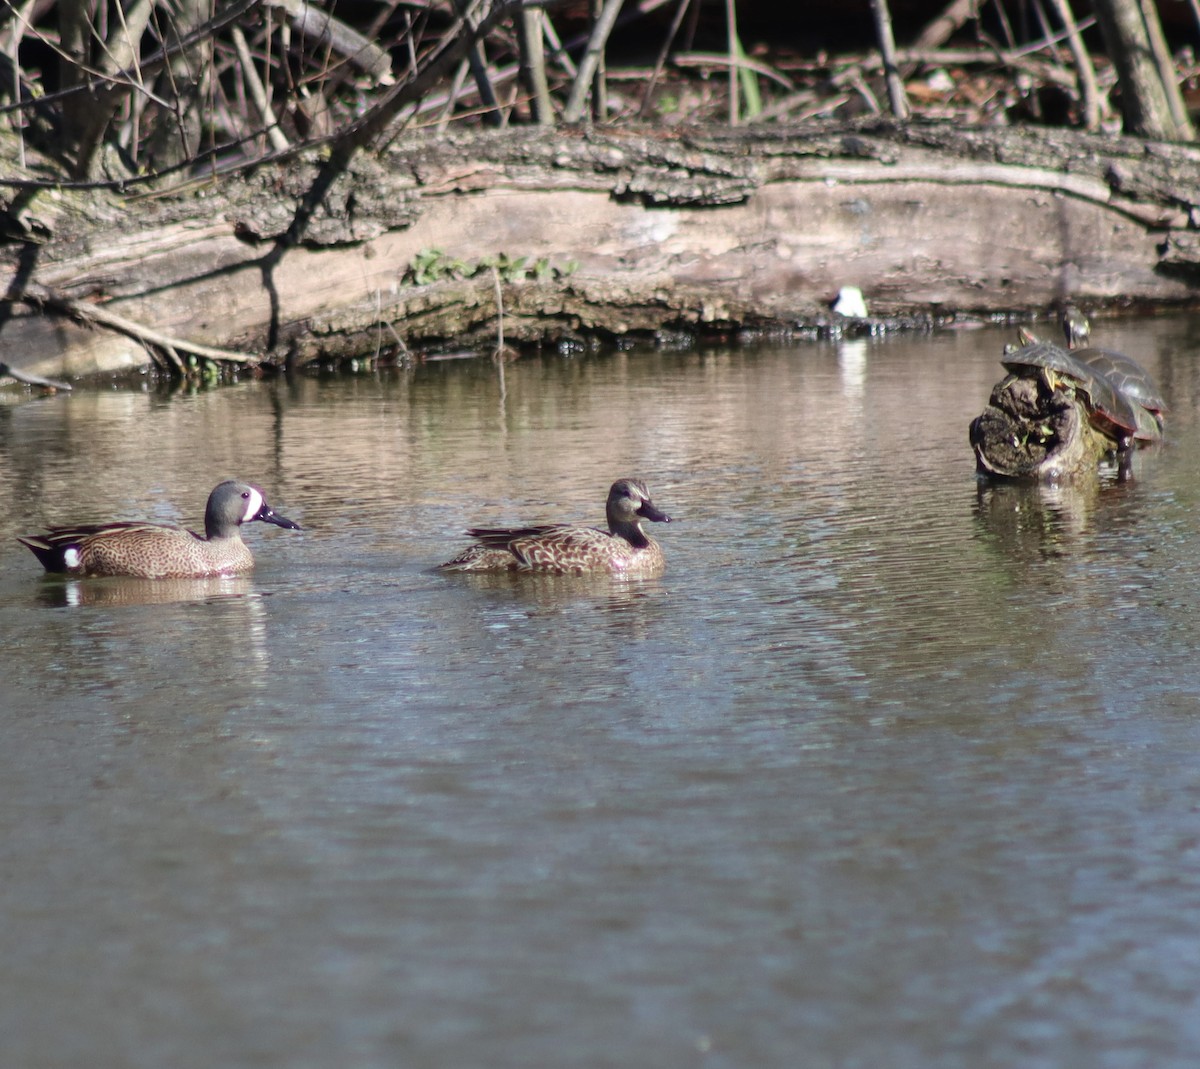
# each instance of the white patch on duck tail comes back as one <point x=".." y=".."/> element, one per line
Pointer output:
<point x="253" y="504"/>
<point x="71" y="557"/>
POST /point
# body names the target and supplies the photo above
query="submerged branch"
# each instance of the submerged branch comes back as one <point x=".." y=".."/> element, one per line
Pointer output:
<point x="139" y="332"/>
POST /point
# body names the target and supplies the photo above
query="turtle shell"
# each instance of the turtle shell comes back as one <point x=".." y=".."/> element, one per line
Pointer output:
<point x="1108" y="407"/>
<point x="1126" y="375"/>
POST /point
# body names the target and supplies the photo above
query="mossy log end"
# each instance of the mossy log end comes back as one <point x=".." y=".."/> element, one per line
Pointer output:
<point x="1032" y="432"/>
<point x="631" y="231"/>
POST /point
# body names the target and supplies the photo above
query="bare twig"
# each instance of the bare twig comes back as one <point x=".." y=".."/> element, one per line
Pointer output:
<point x="13" y="47"/>
<point x="499" y="355"/>
<point x="660" y="62"/>
<point x="1166" y="71"/>
<point x="33" y="380"/>
<point x="533" y="64"/>
<point x="147" y="336"/>
<point x="326" y="31"/>
<point x="590" y="63"/>
<point x="258" y="95"/>
<point x="1089" y="94"/>
<point x="600" y="76"/>
<point x="499" y="312"/>
<point x="718" y="59"/>
<point x="560" y="54"/>
<point x="887" y="50"/>
<point x="941" y="29"/>
<point x="456" y="84"/>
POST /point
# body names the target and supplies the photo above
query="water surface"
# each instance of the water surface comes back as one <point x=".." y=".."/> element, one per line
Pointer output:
<point x="888" y="769"/>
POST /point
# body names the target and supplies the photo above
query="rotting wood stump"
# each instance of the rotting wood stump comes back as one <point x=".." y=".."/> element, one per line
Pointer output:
<point x="1033" y="431"/>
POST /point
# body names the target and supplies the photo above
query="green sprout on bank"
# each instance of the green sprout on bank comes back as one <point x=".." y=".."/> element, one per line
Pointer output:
<point x="433" y="265"/>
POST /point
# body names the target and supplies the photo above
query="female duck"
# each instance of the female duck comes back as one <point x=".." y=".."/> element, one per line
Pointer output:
<point x="568" y="549"/>
<point x="162" y="551"/>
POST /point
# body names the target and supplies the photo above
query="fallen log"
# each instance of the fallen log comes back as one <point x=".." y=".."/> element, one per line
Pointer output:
<point x="595" y="234"/>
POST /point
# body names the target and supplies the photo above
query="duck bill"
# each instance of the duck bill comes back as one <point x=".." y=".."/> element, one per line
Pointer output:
<point x="648" y="511"/>
<point x="269" y="515"/>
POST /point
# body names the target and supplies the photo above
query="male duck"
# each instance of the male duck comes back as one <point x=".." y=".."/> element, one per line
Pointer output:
<point x="568" y="549"/>
<point x="162" y="551"/>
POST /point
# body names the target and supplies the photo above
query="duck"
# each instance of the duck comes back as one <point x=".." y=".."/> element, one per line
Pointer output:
<point x="570" y="549"/>
<point x="144" y="550"/>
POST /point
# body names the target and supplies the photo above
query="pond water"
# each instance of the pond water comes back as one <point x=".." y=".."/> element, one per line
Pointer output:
<point x="888" y="769"/>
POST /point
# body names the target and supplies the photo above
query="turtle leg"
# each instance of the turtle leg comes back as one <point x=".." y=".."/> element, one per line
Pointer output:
<point x="1124" y="458"/>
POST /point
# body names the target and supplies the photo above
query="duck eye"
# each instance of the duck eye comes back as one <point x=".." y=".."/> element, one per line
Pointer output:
<point x="245" y="495"/>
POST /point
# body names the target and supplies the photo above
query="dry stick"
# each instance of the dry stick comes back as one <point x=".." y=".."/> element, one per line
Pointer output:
<point x="479" y="71"/>
<point x="1047" y="32"/>
<point x="91" y="313"/>
<point x="258" y="95"/>
<point x="14" y="45"/>
<point x="455" y="89"/>
<point x="33" y="380"/>
<point x="507" y="75"/>
<point x="556" y="48"/>
<point x="124" y="55"/>
<point x="319" y="27"/>
<point x="533" y="63"/>
<point x="731" y="29"/>
<point x="1145" y="93"/>
<point x="887" y="50"/>
<point x="1088" y="92"/>
<point x="499" y="313"/>
<point x="693" y="25"/>
<point x="599" y="80"/>
<point x="717" y="59"/>
<point x="1022" y="60"/>
<point x="450" y="48"/>
<point x="103" y="84"/>
<point x="498" y="355"/>
<point x="1002" y="15"/>
<point x="1042" y="21"/>
<point x="1167" y="71"/>
<point x="588" y="66"/>
<point x="180" y="99"/>
<point x="483" y="84"/>
<point x="858" y="83"/>
<point x="661" y="61"/>
<point x="942" y="28"/>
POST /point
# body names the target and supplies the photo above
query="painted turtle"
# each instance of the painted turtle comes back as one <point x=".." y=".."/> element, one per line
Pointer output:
<point x="1126" y="375"/>
<point x="1128" y="379"/>
<point x="1076" y="328"/>
<point x="1133" y="382"/>
<point x="1107" y="407"/>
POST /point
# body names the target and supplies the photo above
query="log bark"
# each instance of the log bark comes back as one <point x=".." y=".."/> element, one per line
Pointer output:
<point x="631" y="232"/>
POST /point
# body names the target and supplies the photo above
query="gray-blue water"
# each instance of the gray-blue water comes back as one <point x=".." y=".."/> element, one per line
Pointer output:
<point x="887" y="769"/>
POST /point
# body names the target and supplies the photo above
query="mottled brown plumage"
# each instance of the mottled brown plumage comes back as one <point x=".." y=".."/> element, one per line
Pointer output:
<point x="162" y="551"/>
<point x="568" y="549"/>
